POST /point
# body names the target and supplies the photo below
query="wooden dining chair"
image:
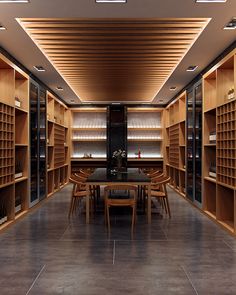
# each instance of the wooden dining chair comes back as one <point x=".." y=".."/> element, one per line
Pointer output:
<point x="119" y="201"/>
<point x="78" y="193"/>
<point x="161" y="194"/>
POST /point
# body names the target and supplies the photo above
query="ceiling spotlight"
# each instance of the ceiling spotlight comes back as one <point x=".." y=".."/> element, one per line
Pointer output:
<point x="2" y="28"/>
<point x="210" y="1"/>
<point x="39" y="68"/>
<point x="59" y="88"/>
<point x="14" y="1"/>
<point x="231" y="25"/>
<point x="191" y="68"/>
<point x="161" y="100"/>
<point x="111" y="1"/>
<point x="115" y="103"/>
<point x="173" y="88"/>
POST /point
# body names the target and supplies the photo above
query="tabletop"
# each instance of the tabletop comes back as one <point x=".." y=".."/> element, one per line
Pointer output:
<point x="129" y="175"/>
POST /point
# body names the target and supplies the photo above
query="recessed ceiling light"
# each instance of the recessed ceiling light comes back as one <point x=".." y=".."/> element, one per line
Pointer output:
<point x="210" y="1"/>
<point x="231" y="25"/>
<point x="2" y="28"/>
<point x="191" y="68"/>
<point x="14" y="1"/>
<point x="59" y="88"/>
<point x="39" y="68"/>
<point x="161" y="100"/>
<point x="116" y="103"/>
<point x="173" y="88"/>
<point x="111" y="1"/>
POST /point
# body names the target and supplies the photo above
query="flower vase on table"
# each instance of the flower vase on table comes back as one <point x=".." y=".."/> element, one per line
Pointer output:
<point x="118" y="156"/>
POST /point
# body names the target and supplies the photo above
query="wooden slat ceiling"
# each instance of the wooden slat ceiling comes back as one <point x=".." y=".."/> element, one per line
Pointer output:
<point x="105" y="60"/>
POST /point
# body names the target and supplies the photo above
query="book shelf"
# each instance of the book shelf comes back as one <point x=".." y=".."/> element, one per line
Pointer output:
<point x="58" y="151"/>
<point x="14" y="141"/>
<point x="219" y="142"/>
<point x="88" y="133"/>
<point x="175" y="143"/>
<point x="145" y="133"/>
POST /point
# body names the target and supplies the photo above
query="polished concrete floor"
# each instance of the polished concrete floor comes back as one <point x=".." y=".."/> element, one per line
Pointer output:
<point x="45" y="254"/>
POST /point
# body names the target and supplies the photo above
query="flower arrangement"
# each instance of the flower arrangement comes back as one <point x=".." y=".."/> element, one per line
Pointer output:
<point x="119" y="154"/>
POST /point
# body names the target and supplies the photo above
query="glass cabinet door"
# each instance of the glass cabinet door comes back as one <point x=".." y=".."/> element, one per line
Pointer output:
<point x="34" y="143"/>
<point x="38" y="143"/>
<point x="194" y="144"/>
<point x="190" y="145"/>
<point x="42" y="144"/>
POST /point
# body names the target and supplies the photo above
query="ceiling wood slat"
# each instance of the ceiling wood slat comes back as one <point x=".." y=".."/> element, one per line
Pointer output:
<point x="106" y="60"/>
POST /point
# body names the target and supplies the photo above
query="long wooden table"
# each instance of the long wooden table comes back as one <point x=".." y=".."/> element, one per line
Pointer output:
<point x="103" y="176"/>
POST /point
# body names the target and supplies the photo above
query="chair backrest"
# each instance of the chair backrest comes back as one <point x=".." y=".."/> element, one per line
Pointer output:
<point x="80" y="177"/>
<point x="84" y="173"/>
<point x="77" y="184"/>
<point x="162" y="183"/>
<point x="121" y="187"/>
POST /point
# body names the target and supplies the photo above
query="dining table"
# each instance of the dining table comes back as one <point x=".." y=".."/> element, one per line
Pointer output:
<point x="106" y="176"/>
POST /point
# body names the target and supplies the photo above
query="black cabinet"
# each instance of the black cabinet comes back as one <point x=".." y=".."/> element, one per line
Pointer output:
<point x="37" y="142"/>
<point x="194" y="143"/>
<point x="116" y="133"/>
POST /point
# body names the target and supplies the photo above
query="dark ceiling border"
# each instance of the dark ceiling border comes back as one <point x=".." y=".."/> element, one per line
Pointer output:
<point x="31" y="75"/>
<point x="205" y="70"/>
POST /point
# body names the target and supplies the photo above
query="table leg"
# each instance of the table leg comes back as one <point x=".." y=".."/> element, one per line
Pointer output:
<point x="87" y="203"/>
<point x="149" y="204"/>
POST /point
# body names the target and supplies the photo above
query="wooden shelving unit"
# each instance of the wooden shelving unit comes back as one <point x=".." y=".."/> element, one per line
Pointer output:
<point x="175" y="143"/>
<point x="58" y="145"/>
<point x="219" y="142"/>
<point x="145" y="133"/>
<point x="14" y="141"/>
<point x="88" y="133"/>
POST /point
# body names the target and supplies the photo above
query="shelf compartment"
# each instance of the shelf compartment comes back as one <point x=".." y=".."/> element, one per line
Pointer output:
<point x="7" y="204"/>
<point x="21" y="196"/>
<point x="21" y="127"/>
<point x="21" y="161"/>
<point x="147" y="149"/>
<point x="209" y="127"/>
<point x="56" y="179"/>
<point x="182" y="187"/>
<point x="50" y="182"/>
<point x="225" y="80"/>
<point x="209" y="161"/>
<point x="143" y="120"/>
<point x="210" y="197"/>
<point x="209" y="92"/>
<point x="21" y="91"/>
<point x="7" y="82"/>
<point x="225" y="207"/>
<point x="182" y="107"/>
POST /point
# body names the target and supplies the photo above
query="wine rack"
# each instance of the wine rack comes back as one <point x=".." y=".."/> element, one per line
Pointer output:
<point x="6" y="144"/>
<point x="174" y="146"/>
<point x="59" y="146"/>
<point x="226" y="144"/>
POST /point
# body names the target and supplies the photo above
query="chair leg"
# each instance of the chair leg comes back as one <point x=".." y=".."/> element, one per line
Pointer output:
<point x="133" y="218"/>
<point x="108" y="219"/>
<point x="71" y="207"/>
<point x="168" y="207"/>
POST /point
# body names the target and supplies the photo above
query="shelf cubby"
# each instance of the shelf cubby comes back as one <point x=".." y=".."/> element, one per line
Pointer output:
<point x="50" y="182"/>
<point x="21" y="127"/>
<point x="7" y="83"/>
<point x="225" y="80"/>
<point x="182" y="107"/>
<point x="225" y="207"/>
<point x="182" y="186"/>
<point x="21" y="193"/>
<point x="209" y="90"/>
<point x="56" y="179"/>
<point x="88" y="127"/>
<point x="21" y="91"/>
<point x="174" y="145"/>
<point x="7" y="204"/>
<point x="21" y="161"/>
<point x="210" y="198"/>
<point x="209" y="127"/>
<point x="209" y="160"/>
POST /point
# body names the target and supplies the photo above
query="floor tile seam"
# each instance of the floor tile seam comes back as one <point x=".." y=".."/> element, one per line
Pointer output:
<point x="38" y="275"/>
<point x="189" y="279"/>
